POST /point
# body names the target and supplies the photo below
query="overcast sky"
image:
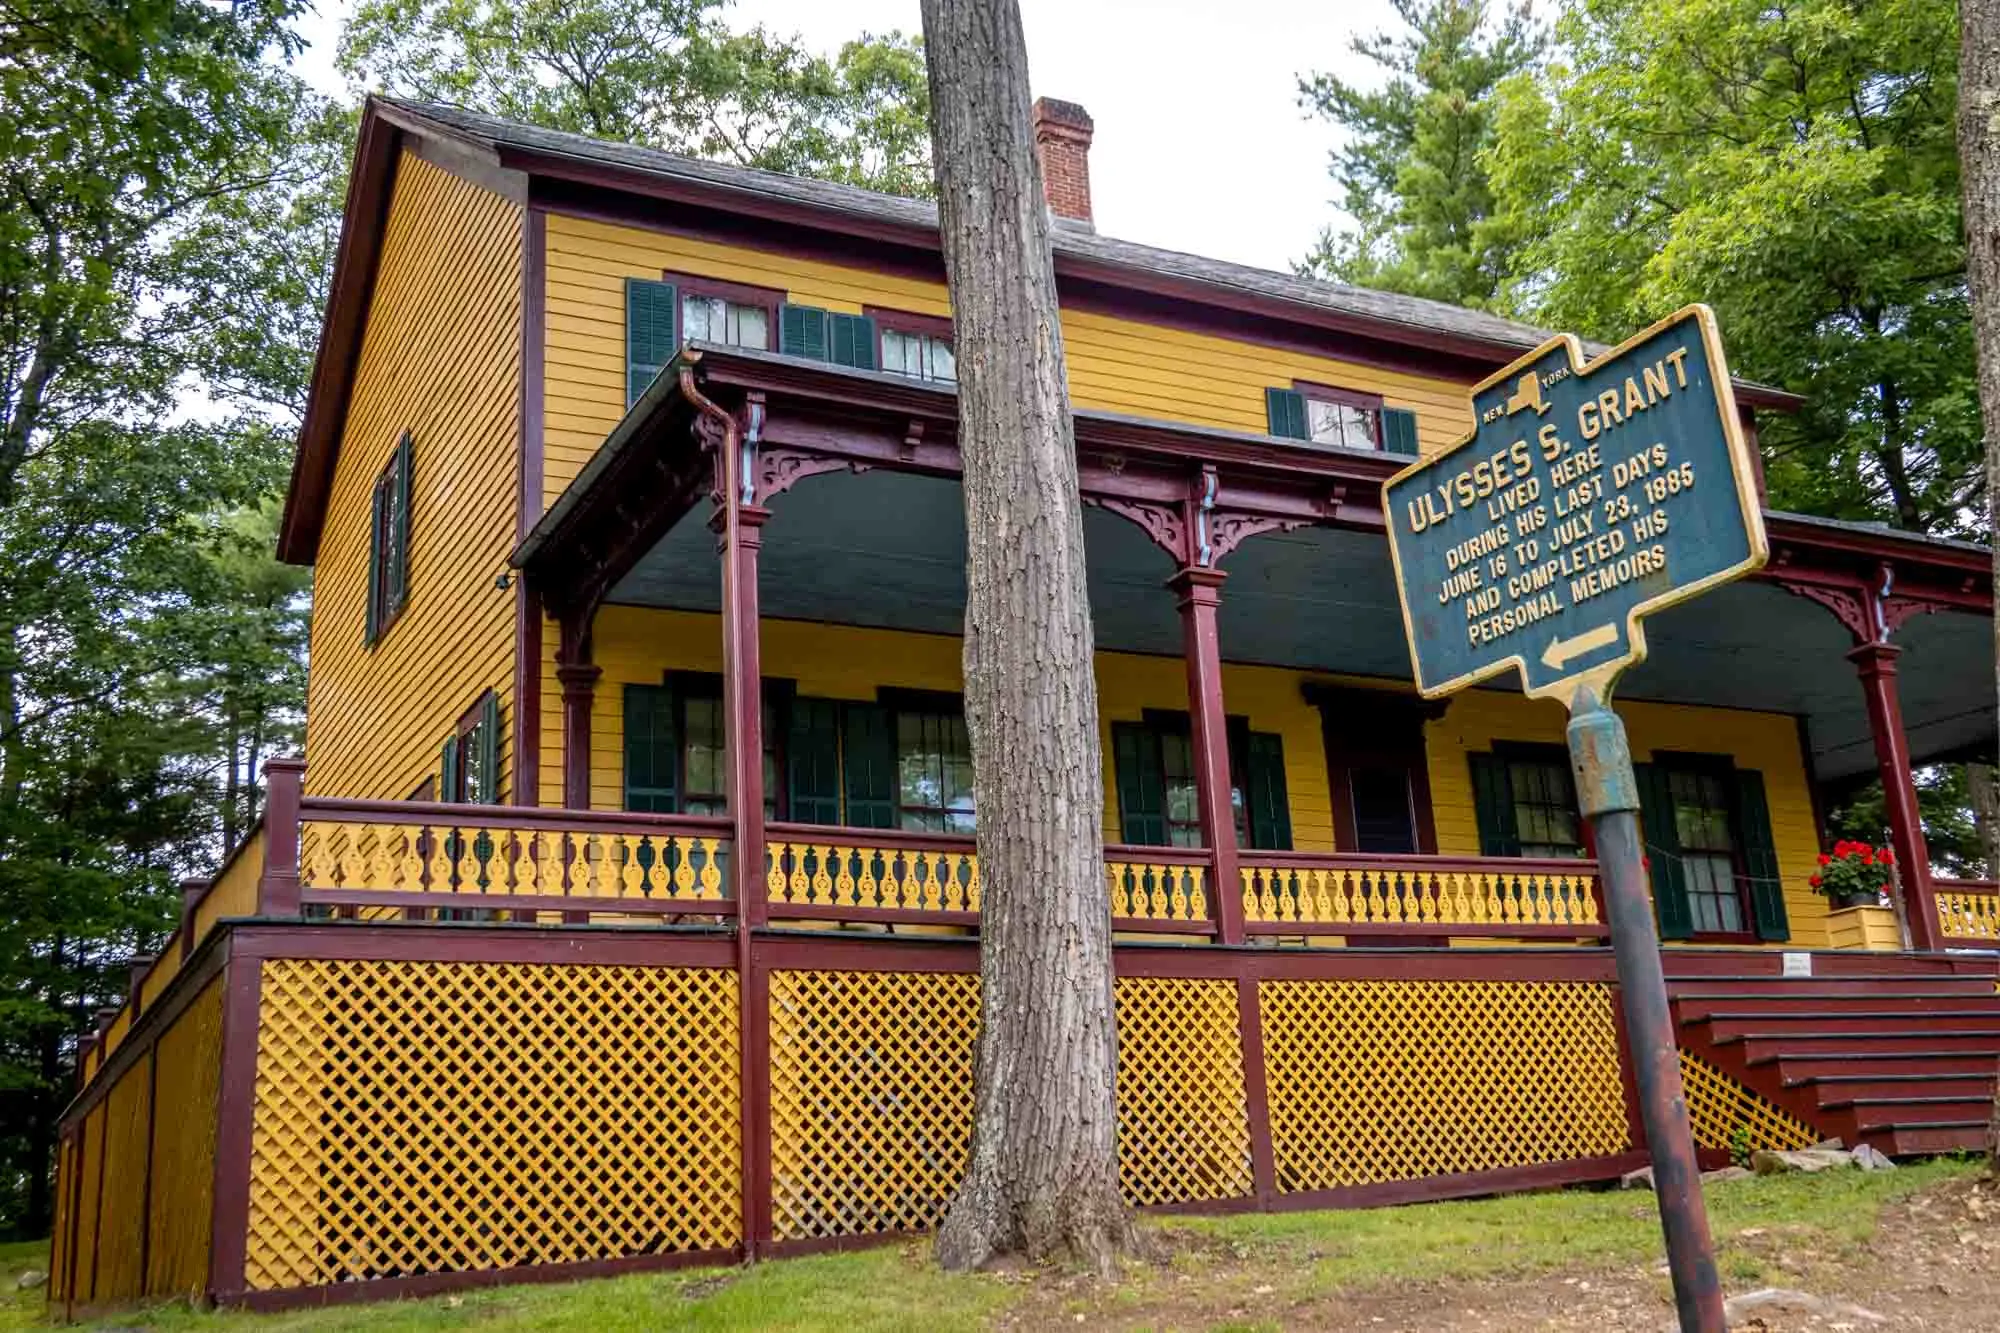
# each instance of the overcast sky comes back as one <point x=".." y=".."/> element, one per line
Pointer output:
<point x="1200" y="146"/>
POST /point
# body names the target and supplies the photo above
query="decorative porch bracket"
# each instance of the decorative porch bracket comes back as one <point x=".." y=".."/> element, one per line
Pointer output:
<point x="1872" y="610"/>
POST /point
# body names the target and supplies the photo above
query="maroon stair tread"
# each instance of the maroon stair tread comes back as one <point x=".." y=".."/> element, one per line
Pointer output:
<point x="1837" y="1090"/>
<point x="1715" y="987"/>
<point x="1693" y="1007"/>
<point x="1757" y="1047"/>
<point x="1795" y="1068"/>
<point x="1923" y="1138"/>
<point x="1955" y="1021"/>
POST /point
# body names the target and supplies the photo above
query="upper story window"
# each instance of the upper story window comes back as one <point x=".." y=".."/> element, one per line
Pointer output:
<point x="916" y="345"/>
<point x="662" y="315"/>
<point x="677" y="747"/>
<point x="389" y="542"/>
<point x="1525" y="801"/>
<point x="1343" y="418"/>
<point x="934" y="769"/>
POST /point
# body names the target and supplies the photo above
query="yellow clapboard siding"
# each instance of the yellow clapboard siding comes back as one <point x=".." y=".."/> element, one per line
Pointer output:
<point x="440" y="358"/>
<point x="1115" y="364"/>
<point x="1767" y="742"/>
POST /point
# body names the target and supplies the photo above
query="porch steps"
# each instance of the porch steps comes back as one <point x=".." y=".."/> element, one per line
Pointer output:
<point x="1896" y="1051"/>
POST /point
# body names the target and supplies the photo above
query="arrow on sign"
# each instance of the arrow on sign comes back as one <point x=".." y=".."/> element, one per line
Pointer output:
<point x="1560" y="651"/>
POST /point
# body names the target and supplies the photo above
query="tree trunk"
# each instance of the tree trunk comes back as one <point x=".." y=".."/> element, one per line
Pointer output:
<point x="1043" y="1175"/>
<point x="1979" y="170"/>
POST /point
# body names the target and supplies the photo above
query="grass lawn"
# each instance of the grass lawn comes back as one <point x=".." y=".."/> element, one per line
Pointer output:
<point x="1295" y="1257"/>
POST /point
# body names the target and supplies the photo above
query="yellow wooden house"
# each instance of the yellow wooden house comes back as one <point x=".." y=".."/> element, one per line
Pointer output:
<point x="623" y="908"/>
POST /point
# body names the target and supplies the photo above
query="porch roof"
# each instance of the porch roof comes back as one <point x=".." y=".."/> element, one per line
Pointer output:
<point x="879" y="540"/>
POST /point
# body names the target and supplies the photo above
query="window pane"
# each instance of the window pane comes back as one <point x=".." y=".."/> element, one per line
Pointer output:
<point x="702" y="319"/>
<point x="1708" y="862"/>
<point x="943" y="363"/>
<point x="705" y="757"/>
<point x="749" y="326"/>
<point x="900" y="353"/>
<point x="1545" y="818"/>
<point x="1340" y="423"/>
<point x="934" y="773"/>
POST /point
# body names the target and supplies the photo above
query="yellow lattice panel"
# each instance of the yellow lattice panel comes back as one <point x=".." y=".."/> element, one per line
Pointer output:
<point x="121" y="1222"/>
<point x="1373" y="1081"/>
<point x="183" y="1189"/>
<point x="1183" y="1126"/>
<point x="438" y="1117"/>
<point x="1718" y="1106"/>
<point x="871" y="1096"/>
<point x="871" y="1099"/>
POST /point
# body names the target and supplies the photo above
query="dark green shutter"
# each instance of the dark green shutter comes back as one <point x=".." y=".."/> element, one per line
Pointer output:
<point x="448" y="771"/>
<point x="1399" y="431"/>
<point x="1663" y="850"/>
<point x="652" y="751"/>
<point x="398" y="591"/>
<point x="868" y="764"/>
<point x="1286" y="411"/>
<point x="373" y="592"/>
<point x="851" y="341"/>
<point x="812" y="761"/>
<point x="489" y="750"/>
<point x="1264" y="779"/>
<point x="1142" y="795"/>
<point x="1760" y="856"/>
<point x="1493" y="806"/>
<point x="802" y="331"/>
<point x="649" y="333"/>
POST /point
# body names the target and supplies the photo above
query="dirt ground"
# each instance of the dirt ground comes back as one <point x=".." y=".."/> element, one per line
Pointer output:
<point x="1934" y="1265"/>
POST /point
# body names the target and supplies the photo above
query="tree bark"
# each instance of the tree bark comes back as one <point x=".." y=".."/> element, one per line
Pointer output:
<point x="1979" y="173"/>
<point x="1983" y="791"/>
<point x="1043" y="1173"/>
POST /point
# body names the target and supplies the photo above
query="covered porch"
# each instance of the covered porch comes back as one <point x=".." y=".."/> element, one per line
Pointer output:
<point x="1260" y="730"/>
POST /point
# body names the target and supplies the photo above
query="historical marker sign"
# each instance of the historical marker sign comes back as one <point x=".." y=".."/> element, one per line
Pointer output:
<point x="1586" y="497"/>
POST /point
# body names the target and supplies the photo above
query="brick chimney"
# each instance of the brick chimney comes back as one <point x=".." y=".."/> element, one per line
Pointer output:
<point x="1062" y="141"/>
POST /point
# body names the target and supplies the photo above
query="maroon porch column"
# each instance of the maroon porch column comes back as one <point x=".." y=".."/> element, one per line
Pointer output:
<point x="740" y="528"/>
<point x="1876" y="664"/>
<point x="1200" y="592"/>
<point x="579" y="692"/>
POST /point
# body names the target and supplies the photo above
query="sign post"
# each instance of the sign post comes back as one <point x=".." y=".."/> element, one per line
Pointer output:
<point x="1589" y="495"/>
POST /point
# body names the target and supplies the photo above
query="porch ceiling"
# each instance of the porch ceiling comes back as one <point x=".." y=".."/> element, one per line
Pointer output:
<point x="887" y="549"/>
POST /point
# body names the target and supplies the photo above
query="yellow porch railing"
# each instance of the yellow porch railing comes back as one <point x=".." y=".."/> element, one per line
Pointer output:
<point x="1342" y="894"/>
<point x="382" y="859"/>
<point x="859" y="874"/>
<point x="1969" y="911"/>
<point x="1159" y="888"/>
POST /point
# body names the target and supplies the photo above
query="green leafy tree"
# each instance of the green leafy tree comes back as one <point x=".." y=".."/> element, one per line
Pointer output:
<point x="1794" y="167"/>
<point x="138" y="138"/>
<point x="1411" y="171"/>
<point x="667" y="73"/>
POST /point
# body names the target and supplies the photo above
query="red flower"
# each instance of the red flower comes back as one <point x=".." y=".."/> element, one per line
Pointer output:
<point x="1867" y="858"/>
<point x="1646" y="862"/>
<point x="1884" y="888"/>
<point x="1814" y="881"/>
<point x="1824" y="859"/>
<point x="1886" y="857"/>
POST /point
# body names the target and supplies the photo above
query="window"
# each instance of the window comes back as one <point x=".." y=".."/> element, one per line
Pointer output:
<point x="1525" y="800"/>
<point x="934" y="771"/>
<point x="1159" y="800"/>
<point x="1341" y="418"/>
<point x="1708" y="838"/>
<point x="677" y="747"/>
<point x="1376" y="769"/>
<point x="918" y="346"/>
<point x="717" y="319"/>
<point x="1544" y="800"/>
<point x="1707" y="850"/>
<point x="469" y="767"/>
<point x="1384" y="822"/>
<point x="389" y="543"/>
<point x="662" y="315"/>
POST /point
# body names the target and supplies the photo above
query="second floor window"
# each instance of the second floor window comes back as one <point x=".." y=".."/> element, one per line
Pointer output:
<point x="1525" y="801"/>
<point x="663" y="314"/>
<point x="389" y="542"/>
<point x="921" y="356"/>
<point x="716" y="319"/>
<point x="1339" y="418"/>
<point x="1158" y="798"/>
<point x="934" y="771"/>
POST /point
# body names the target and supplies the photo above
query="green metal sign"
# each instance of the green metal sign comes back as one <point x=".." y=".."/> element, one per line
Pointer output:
<point x="1586" y="497"/>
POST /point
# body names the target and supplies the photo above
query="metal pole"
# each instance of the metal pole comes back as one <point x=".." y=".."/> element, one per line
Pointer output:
<point x="1608" y="792"/>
